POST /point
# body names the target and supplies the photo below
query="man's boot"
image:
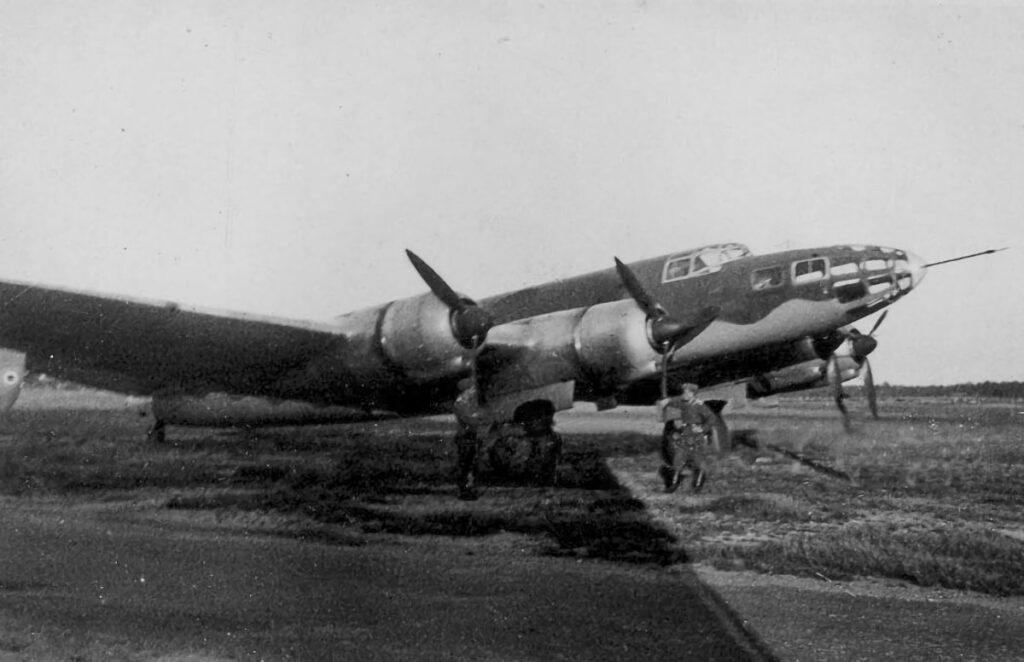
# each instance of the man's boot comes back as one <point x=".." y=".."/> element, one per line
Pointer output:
<point x="699" y="477"/>
<point x="671" y="478"/>
<point x="666" y="474"/>
<point x="467" y="492"/>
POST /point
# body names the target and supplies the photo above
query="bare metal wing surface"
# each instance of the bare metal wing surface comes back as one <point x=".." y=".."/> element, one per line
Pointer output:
<point x="141" y="347"/>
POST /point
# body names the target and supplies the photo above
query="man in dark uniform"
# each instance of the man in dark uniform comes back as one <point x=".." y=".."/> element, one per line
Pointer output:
<point x="475" y="423"/>
<point x="689" y="425"/>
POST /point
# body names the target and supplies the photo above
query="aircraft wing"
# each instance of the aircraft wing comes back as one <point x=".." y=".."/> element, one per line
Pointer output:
<point x="139" y="347"/>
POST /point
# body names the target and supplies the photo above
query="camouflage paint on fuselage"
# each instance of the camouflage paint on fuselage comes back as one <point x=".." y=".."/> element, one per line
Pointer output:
<point x="729" y="286"/>
<point x="768" y="303"/>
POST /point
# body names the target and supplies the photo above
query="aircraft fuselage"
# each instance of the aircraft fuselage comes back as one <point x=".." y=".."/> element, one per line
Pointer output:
<point x="770" y="306"/>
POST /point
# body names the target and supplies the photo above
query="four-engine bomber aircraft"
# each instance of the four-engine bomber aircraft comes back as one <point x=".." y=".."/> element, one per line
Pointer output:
<point x="716" y="315"/>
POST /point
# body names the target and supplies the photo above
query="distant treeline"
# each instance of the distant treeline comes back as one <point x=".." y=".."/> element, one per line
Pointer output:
<point x="1000" y="390"/>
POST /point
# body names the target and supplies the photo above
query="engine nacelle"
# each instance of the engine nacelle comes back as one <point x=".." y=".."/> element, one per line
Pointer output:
<point x="613" y="345"/>
<point x="416" y="335"/>
<point x="605" y="346"/>
<point x="809" y="374"/>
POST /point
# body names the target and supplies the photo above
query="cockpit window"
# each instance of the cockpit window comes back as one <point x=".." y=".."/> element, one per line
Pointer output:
<point x="810" y="271"/>
<point x="706" y="260"/>
<point x="734" y="252"/>
<point x="677" y="268"/>
<point x="766" y="279"/>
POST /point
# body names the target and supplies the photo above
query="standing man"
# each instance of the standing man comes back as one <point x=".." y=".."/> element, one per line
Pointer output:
<point x="689" y="425"/>
<point x="475" y="423"/>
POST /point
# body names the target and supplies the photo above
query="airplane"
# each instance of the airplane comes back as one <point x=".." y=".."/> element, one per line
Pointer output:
<point x="716" y="315"/>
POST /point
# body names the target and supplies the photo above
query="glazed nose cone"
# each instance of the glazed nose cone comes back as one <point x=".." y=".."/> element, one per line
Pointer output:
<point x="918" y="268"/>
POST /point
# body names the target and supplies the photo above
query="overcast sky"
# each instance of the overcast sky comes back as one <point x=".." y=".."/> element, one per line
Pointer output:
<point x="278" y="156"/>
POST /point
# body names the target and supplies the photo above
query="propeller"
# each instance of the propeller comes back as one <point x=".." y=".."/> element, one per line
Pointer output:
<point x="470" y="322"/>
<point x="860" y="346"/>
<point x="668" y="333"/>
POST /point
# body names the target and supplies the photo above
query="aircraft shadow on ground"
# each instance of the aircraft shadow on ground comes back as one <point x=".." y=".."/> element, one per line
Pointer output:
<point x="399" y="480"/>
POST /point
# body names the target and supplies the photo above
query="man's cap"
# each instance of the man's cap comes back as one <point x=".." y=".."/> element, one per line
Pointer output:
<point x="689" y="388"/>
<point x="465" y="384"/>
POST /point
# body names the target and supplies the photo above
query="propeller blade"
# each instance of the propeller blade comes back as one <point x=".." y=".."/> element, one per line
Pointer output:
<point x="436" y="284"/>
<point x="869" y="387"/>
<point x="665" y="358"/>
<point x="637" y="291"/>
<point x="835" y="380"/>
<point x="666" y="330"/>
<point x="470" y="322"/>
<point x="683" y="336"/>
<point x="878" y="322"/>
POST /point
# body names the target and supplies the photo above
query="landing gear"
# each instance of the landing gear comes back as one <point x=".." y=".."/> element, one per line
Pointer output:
<point x="157" y="433"/>
<point x="538" y="425"/>
<point x="529" y="448"/>
<point x="501" y="454"/>
<point x="545" y="452"/>
<point x="721" y="439"/>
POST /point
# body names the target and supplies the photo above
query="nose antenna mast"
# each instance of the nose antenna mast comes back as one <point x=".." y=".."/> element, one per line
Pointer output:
<point x="964" y="257"/>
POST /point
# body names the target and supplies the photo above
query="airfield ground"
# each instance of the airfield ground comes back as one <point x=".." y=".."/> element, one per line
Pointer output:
<point x="918" y="555"/>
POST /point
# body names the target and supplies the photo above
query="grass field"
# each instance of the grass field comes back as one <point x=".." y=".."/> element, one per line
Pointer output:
<point x="934" y="495"/>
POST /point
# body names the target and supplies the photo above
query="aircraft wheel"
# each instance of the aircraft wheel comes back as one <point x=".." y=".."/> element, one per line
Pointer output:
<point x="501" y="456"/>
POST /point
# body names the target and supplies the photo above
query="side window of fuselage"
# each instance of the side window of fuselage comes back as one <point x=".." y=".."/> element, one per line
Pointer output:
<point x="766" y="279"/>
<point x="879" y="273"/>
<point x="810" y="271"/>
<point x="847" y="283"/>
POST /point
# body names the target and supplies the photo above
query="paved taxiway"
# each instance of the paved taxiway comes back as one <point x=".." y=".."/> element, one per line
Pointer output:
<point x="80" y="580"/>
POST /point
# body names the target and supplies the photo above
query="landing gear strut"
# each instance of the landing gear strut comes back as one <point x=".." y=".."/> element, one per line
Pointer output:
<point x="538" y="424"/>
<point x="157" y="433"/>
<point x="545" y="452"/>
